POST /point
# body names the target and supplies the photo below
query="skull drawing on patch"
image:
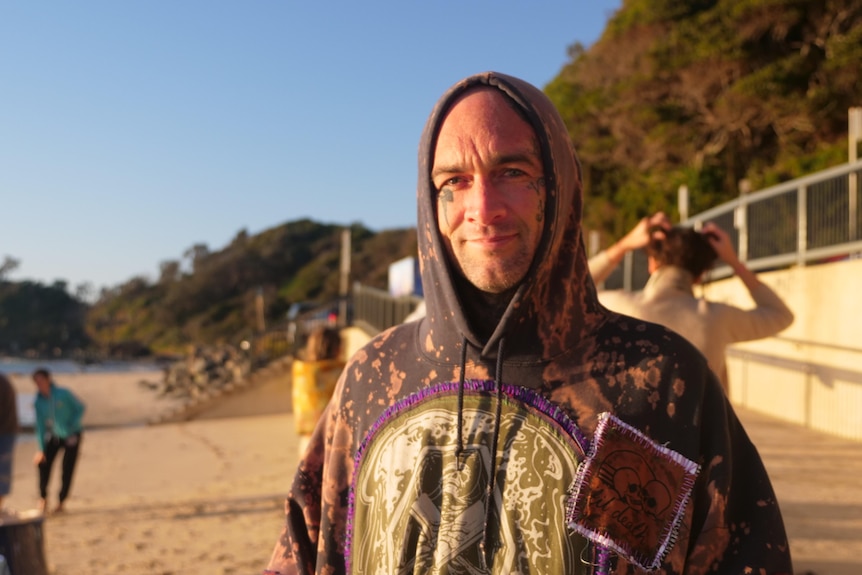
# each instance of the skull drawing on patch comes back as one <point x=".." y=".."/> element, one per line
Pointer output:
<point x="630" y="476"/>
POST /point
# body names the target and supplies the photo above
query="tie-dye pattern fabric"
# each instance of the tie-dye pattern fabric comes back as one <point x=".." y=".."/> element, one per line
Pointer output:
<point x="381" y="459"/>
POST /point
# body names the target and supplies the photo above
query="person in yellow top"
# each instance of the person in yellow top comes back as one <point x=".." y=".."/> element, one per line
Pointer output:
<point x="315" y="374"/>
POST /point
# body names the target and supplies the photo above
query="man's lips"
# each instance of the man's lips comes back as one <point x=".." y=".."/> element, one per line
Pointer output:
<point x="492" y="239"/>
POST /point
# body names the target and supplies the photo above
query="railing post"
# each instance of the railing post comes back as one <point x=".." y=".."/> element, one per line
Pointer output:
<point x="801" y="224"/>
<point x="740" y="220"/>
<point x="852" y="206"/>
<point x="854" y="135"/>
<point x="594" y="246"/>
<point x="628" y="271"/>
<point x="682" y="202"/>
<point x="344" y="277"/>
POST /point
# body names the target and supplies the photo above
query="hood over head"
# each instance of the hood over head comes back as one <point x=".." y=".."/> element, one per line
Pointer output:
<point x="555" y="305"/>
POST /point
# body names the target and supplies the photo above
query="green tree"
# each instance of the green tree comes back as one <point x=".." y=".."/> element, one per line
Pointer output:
<point x="706" y="94"/>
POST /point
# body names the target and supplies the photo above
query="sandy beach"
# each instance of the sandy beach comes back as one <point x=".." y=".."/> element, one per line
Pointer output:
<point x="197" y="497"/>
<point x="206" y="496"/>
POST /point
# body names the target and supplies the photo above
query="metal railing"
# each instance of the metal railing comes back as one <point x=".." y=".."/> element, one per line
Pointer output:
<point x="375" y="310"/>
<point x="813" y="219"/>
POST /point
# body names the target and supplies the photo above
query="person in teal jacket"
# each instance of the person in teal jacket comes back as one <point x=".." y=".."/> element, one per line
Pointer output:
<point x="58" y="426"/>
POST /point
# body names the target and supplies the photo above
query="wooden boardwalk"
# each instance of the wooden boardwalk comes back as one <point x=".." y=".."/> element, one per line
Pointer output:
<point x="818" y="480"/>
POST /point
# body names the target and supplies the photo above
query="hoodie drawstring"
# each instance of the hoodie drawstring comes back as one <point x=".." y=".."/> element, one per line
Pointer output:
<point x="459" y="449"/>
<point x="490" y="505"/>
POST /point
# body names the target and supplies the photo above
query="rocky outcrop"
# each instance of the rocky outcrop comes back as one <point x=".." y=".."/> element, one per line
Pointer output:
<point x="207" y="375"/>
<point x="203" y="371"/>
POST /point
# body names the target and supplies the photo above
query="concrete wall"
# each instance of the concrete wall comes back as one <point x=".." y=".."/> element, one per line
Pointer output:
<point x="811" y="373"/>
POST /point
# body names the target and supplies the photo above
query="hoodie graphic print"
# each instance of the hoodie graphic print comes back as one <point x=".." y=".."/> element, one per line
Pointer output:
<point x="569" y="440"/>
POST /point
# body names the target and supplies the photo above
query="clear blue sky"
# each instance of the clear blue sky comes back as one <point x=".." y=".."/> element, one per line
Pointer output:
<point x="131" y="130"/>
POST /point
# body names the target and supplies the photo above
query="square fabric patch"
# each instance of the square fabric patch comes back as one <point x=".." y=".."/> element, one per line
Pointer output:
<point x="630" y="493"/>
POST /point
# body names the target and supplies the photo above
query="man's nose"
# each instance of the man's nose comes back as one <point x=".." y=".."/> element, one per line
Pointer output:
<point x="484" y="202"/>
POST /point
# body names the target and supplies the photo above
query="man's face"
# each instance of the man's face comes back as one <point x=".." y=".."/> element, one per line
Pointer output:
<point x="491" y="190"/>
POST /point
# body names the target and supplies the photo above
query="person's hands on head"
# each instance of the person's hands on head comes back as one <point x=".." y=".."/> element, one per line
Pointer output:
<point x="720" y="242"/>
<point x="660" y="220"/>
<point x="657" y="224"/>
<point x="639" y="236"/>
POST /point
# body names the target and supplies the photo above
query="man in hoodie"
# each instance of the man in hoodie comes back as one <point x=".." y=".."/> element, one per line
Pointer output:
<point x="520" y="427"/>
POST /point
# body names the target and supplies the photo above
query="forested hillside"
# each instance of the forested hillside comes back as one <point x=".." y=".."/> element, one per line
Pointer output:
<point x="44" y="319"/>
<point x="706" y="94"/>
<point x="207" y="296"/>
<point x="214" y="300"/>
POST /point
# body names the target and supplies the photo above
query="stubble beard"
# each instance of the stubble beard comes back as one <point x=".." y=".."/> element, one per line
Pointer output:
<point x="493" y="272"/>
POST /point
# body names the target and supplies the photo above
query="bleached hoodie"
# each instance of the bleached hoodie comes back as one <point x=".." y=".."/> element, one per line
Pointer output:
<point x="572" y="440"/>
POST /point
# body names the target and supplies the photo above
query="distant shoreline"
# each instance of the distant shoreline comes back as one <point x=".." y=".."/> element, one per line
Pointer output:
<point x="24" y="366"/>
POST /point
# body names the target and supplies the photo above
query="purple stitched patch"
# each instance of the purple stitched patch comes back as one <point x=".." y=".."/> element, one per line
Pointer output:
<point x="630" y="493"/>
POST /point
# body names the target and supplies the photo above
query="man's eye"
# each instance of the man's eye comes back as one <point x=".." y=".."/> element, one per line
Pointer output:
<point x="513" y="172"/>
<point x="452" y="182"/>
